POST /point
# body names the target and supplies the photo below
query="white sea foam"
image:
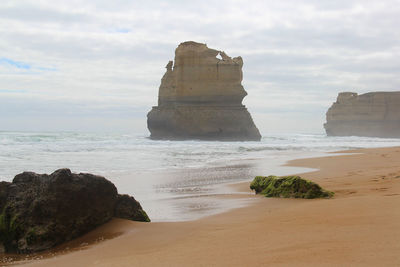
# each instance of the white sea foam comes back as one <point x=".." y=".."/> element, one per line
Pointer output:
<point x="168" y="177"/>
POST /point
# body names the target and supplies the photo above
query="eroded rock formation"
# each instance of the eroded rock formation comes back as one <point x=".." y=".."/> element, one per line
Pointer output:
<point x="200" y="97"/>
<point x="375" y="114"/>
<point x="40" y="211"/>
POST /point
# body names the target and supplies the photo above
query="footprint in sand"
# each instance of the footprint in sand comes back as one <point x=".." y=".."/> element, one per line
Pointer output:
<point x="379" y="189"/>
<point x="345" y="192"/>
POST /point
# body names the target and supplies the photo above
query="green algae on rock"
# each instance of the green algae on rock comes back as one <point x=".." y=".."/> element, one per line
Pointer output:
<point x="288" y="187"/>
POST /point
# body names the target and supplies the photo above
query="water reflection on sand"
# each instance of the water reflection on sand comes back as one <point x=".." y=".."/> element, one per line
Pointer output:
<point x="191" y="193"/>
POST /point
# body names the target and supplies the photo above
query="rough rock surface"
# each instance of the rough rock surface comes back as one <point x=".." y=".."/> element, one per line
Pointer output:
<point x="40" y="211"/>
<point x="288" y="187"/>
<point x="375" y="114"/>
<point x="200" y="97"/>
<point x="128" y="208"/>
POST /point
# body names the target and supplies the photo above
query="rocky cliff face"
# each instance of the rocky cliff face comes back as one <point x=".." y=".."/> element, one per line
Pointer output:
<point x="200" y="97"/>
<point x="375" y="114"/>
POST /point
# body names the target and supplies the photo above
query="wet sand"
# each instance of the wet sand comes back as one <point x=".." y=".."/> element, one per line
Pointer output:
<point x="358" y="227"/>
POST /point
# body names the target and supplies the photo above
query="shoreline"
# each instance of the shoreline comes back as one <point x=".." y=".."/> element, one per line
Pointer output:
<point x="359" y="226"/>
<point x="186" y="194"/>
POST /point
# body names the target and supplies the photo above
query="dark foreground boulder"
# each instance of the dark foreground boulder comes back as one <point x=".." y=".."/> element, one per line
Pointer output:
<point x="288" y="187"/>
<point x="40" y="211"/>
<point x="128" y="208"/>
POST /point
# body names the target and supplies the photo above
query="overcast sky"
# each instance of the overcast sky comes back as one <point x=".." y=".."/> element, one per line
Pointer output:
<point x="97" y="65"/>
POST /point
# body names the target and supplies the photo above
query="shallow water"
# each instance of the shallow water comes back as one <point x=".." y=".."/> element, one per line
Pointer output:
<point x="173" y="180"/>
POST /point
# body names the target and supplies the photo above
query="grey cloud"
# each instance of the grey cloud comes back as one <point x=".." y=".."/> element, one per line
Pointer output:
<point x="297" y="54"/>
<point x="30" y="12"/>
<point x="32" y="106"/>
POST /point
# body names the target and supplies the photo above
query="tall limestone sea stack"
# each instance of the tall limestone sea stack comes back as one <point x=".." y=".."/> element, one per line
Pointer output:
<point x="375" y="114"/>
<point x="200" y="97"/>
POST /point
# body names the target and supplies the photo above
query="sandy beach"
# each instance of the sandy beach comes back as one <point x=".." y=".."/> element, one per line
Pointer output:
<point x="358" y="227"/>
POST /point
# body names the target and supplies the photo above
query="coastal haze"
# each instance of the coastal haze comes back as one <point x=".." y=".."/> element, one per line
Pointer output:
<point x="96" y="66"/>
<point x="92" y="89"/>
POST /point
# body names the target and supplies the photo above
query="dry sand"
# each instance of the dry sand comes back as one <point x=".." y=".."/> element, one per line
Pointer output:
<point x="360" y="226"/>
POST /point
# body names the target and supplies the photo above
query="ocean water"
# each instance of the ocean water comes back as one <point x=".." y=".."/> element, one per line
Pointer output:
<point x="173" y="180"/>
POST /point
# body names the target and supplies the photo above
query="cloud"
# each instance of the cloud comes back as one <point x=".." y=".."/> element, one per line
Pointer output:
<point x="15" y="64"/>
<point x="94" y="56"/>
<point x="8" y="65"/>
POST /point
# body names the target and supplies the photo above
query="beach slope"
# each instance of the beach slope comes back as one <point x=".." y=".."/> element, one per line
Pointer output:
<point x="358" y="227"/>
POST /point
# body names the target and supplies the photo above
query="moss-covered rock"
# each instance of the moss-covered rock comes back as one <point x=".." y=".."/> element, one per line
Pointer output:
<point x="288" y="187"/>
<point x="9" y="230"/>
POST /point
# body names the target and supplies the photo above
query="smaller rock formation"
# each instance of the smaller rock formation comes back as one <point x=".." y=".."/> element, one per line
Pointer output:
<point x="375" y="114"/>
<point x="40" y="211"/>
<point x="288" y="187"/>
<point x="200" y="97"/>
